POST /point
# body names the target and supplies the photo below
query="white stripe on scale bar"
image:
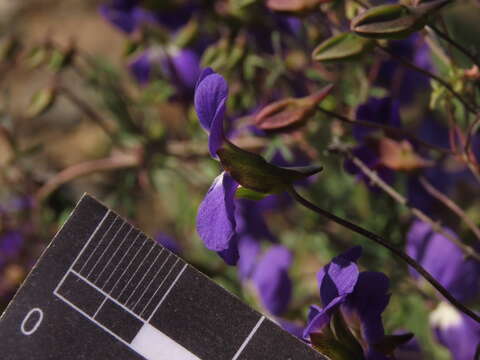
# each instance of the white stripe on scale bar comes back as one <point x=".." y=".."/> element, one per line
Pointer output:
<point x="106" y="248"/>
<point x="136" y="271"/>
<point x="121" y="260"/>
<point x="166" y="293"/>
<point x="144" y="276"/>
<point x="99" y="242"/>
<point x="130" y="264"/>
<point x="151" y="281"/>
<point x="249" y="337"/>
<point x="115" y="253"/>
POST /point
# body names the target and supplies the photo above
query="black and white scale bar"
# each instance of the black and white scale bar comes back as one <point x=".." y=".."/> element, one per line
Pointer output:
<point x="104" y="290"/>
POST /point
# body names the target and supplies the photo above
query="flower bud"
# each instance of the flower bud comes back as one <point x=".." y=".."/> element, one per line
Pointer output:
<point x="343" y="46"/>
<point x="394" y="21"/>
<point x="294" y="6"/>
<point x="291" y="112"/>
<point x="400" y="156"/>
<point x="253" y="172"/>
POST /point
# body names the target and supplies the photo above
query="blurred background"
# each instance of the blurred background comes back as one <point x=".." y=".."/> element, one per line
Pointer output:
<point x="97" y="97"/>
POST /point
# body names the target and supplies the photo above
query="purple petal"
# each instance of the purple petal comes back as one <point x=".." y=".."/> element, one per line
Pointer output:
<point x="457" y="332"/>
<point x="272" y="281"/>
<point x="141" y="67"/>
<point x="338" y="278"/>
<point x="217" y="137"/>
<point x="215" y="218"/>
<point x="318" y="318"/>
<point x="444" y="260"/>
<point x="211" y="91"/>
<point x="249" y="249"/>
<point x="293" y="328"/>
<point x="183" y="68"/>
<point x="251" y="221"/>
<point x="368" y="301"/>
<point x="231" y="254"/>
<point x="119" y="14"/>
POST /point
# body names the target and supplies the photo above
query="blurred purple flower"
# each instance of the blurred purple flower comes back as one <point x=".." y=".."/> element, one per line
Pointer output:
<point x="444" y="260"/>
<point x="383" y="111"/>
<point x="271" y="279"/>
<point x="404" y="83"/>
<point x="456" y="331"/>
<point x="181" y="67"/>
<point x="128" y="15"/>
<point x="123" y="14"/>
<point x="11" y="243"/>
<point x="168" y="242"/>
<point x="369" y="155"/>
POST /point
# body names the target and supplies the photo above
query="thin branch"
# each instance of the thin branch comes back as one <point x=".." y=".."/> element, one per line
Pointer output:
<point x="376" y="180"/>
<point x="451" y="205"/>
<point x="383" y="242"/>
<point x="116" y="162"/>
<point x="470" y="131"/>
<point x="390" y="129"/>
<point x="86" y="109"/>
<point x="455" y="44"/>
<point x="430" y="75"/>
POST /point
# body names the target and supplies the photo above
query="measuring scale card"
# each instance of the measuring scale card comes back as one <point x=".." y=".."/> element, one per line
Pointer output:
<point x="104" y="290"/>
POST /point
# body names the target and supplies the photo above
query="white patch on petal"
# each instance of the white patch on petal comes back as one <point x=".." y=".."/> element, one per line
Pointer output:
<point x="445" y="316"/>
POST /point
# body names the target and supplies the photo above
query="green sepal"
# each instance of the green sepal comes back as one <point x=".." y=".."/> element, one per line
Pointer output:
<point x="344" y="46"/>
<point x="9" y="47"/>
<point x="253" y="172"/>
<point x="327" y="344"/>
<point x="344" y="335"/>
<point x="244" y="193"/>
<point x="394" y="21"/>
<point x="390" y="342"/>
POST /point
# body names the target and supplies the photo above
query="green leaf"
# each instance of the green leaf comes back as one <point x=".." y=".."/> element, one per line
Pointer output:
<point x="345" y="46"/>
<point x="394" y="21"/>
<point x="41" y="101"/>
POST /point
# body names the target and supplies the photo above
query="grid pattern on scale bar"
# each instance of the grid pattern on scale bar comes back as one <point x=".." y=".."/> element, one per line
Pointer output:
<point x="156" y="304"/>
<point x="126" y="267"/>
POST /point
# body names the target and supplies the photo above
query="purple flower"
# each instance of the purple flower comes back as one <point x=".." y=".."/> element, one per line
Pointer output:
<point x="456" y="331"/>
<point x="272" y="281"/>
<point x="361" y="298"/>
<point x="444" y="260"/>
<point x="216" y="222"/>
<point x="336" y="281"/>
<point x="141" y="67"/>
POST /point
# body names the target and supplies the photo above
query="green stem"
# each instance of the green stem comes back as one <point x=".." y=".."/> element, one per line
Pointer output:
<point x="383" y="242"/>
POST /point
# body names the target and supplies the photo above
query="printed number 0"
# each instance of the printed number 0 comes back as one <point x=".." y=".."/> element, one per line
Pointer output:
<point x="34" y="328"/>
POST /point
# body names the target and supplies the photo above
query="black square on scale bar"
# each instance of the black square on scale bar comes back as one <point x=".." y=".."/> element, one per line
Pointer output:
<point x="202" y="317"/>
